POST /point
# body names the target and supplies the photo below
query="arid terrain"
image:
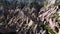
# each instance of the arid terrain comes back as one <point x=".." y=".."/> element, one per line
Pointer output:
<point x="32" y="17"/>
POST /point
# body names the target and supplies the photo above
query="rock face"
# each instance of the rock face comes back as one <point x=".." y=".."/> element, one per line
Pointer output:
<point x="29" y="19"/>
<point x="51" y="1"/>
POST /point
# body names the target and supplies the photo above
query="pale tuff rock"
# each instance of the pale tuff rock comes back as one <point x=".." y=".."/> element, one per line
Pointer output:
<point x="51" y="1"/>
<point x="59" y="18"/>
<point x="30" y="23"/>
<point x="35" y="27"/>
<point x="10" y="21"/>
<point x="59" y="31"/>
<point x="44" y="32"/>
<point x="58" y="12"/>
<point x="48" y="13"/>
<point x="51" y="23"/>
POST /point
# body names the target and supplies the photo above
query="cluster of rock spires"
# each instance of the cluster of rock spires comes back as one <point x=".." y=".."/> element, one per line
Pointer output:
<point x="30" y="20"/>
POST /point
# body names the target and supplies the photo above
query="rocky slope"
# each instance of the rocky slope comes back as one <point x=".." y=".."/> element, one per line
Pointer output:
<point x="31" y="18"/>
